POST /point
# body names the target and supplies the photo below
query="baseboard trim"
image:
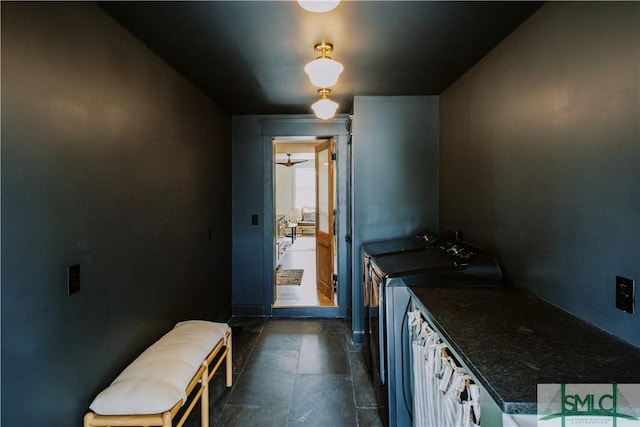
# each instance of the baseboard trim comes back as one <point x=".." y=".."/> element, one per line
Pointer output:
<point x="358" y="337"/>
<point x="247" y="310"/>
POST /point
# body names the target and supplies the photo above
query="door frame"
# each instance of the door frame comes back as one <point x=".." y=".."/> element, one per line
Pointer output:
<point x="308" y="127"/>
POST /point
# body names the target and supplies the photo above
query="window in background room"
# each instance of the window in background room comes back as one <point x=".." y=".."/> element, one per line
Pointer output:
<point x="305" y="187"/>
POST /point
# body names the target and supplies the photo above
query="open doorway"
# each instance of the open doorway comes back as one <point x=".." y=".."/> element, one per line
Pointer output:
<point x="304" y="238"/>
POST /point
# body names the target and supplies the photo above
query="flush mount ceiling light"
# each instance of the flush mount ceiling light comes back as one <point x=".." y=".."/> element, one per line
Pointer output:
<point x="323" y="71"/>
<point x="324" y="108"/>
<point x="318" y="5"/>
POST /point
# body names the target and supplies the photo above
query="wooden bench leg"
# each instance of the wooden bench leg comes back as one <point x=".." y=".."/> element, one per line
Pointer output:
<point x="88" y="418"/>
<point x="166" y="419"/>
<point x="229" y="364"/>
<point x="204" y="399"/>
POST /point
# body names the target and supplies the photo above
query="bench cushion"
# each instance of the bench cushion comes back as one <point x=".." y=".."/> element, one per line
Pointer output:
<point x="158" y="378"/>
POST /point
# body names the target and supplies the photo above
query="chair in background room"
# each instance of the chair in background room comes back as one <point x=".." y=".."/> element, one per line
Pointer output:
<point x="307" y="219"/>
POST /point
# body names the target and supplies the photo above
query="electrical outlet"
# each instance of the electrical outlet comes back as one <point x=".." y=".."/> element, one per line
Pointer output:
<point x="73" y="279"/>
<point x="624" y="294"/>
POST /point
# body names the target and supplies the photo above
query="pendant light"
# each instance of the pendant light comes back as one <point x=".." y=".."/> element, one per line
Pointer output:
<point x="324" y="108"/>
<point x="323" y="71"/>
<point x="318" y="5"/>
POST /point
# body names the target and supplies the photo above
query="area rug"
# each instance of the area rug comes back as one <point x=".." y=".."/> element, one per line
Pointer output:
<point x="289" y="277"/>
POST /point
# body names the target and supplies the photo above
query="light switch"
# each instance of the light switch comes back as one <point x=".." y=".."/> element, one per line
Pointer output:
<point x="624" y="294"/>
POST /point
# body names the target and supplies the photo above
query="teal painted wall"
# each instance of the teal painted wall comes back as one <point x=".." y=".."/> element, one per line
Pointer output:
<point x="111" y="160"/>
<point x="395" y="175"/>
<point x="540" y="157"/>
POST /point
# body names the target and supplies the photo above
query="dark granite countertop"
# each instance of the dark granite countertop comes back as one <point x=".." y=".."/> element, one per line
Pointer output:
<point x="512" y="341"/>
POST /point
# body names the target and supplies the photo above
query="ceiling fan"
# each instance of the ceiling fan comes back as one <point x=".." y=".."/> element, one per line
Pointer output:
<point x="290" y="162"/>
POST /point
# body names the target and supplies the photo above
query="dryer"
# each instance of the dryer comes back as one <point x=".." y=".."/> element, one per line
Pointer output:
<point x="420" y="241"/>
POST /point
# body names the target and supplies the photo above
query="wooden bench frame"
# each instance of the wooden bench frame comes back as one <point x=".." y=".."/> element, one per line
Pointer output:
<point x="221" y="352"/>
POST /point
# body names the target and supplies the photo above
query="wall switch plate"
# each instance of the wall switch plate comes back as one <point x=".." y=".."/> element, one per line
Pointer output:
<point x="73" y="279"/>
<point x="254" y="219"/>
<point x="624" y="294"/>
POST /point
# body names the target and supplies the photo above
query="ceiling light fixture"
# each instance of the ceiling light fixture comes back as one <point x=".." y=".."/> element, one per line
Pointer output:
<point x="290" y="162"/>
<point x="324" y="108"/>
<point x="323" y="71"/>
<point x="318" y="5"/>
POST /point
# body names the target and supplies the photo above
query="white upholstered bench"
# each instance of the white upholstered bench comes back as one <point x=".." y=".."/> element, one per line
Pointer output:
<point x="157" y="384"/>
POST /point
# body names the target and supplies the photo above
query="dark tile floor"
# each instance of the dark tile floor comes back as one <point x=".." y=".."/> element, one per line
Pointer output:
<point x="293" y="372"/>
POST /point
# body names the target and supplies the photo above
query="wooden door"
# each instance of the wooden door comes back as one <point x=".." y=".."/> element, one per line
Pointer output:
<point x="325" y="215"/>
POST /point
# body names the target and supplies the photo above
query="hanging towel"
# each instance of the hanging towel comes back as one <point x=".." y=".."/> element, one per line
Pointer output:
<point x="444" y="395"/>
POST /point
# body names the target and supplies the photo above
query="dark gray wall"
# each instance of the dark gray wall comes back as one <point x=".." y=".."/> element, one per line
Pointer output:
<point x="540" y="157"/>
<point x="111" y="160"/>
<point x="248" y="268"/>
<point x="395" y="175"/>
